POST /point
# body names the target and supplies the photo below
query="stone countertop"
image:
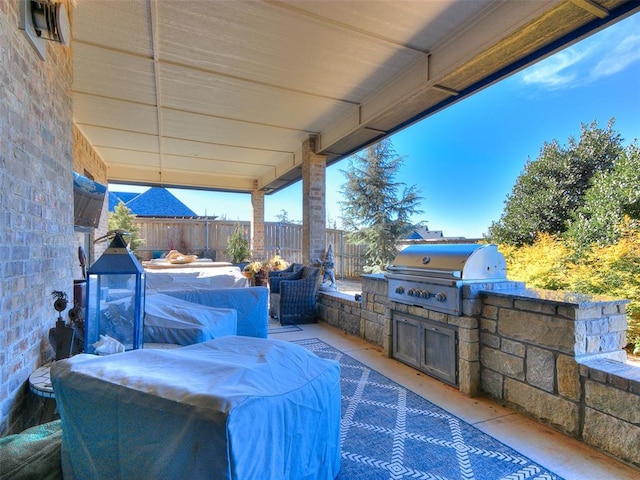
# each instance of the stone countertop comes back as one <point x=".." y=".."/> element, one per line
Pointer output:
<point x="579" y="300"/>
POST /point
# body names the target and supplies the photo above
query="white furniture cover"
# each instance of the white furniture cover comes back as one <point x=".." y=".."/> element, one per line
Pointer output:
<point x="231" y="408"/>
<point x="187" y="278"/>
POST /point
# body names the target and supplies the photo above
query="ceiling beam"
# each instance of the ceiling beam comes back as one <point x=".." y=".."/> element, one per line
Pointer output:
<point x="592" y="7"/>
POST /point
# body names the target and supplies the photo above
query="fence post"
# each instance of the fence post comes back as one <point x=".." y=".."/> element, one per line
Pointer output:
<point x="341" y="254"/>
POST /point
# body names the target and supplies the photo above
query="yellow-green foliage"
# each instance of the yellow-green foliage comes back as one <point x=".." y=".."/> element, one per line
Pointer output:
<point x="613" y="270"/>
<point x="541" y="265"/>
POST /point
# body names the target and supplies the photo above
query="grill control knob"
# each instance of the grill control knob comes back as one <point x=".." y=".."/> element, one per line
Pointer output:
<point x="425" y="294"/>
<point x="411" y="292"/>
<point x="400" y="289"/>
<point x="441" y="297"/>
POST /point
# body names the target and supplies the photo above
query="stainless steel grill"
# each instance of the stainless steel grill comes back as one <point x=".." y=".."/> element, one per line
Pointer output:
<point x="432" y="276"/>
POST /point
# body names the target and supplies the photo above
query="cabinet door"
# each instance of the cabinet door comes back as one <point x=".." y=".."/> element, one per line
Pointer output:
<point x="439" y="352"/>
<point x="406" y="340"/>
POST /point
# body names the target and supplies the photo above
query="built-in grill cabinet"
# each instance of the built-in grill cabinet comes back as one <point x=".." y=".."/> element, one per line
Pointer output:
<point x="432" y="277"/>
<point x="426" y="345"/>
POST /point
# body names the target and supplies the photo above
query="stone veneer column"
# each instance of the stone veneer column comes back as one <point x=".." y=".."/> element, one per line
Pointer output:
<point x="257" y="222"/>
<point x="313" y="203"/>
<point x="533" y="343"/>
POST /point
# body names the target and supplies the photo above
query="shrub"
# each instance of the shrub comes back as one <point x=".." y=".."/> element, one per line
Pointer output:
<point x="238" y="247"/>
<point x="613" y="270"/>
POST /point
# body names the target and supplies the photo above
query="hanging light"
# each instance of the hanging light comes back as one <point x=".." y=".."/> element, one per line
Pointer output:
<point x="115" y="296"/>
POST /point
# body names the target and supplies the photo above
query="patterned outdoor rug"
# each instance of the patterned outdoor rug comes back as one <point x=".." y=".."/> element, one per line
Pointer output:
<point x="275" y="327"/>
<point x="389" y="432"/>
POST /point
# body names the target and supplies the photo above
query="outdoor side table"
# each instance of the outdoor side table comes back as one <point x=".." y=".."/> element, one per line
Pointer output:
<point x="40" y="385"/>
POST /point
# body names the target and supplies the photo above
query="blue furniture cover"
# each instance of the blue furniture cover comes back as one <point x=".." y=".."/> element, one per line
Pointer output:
<point x="251" y="303"/>
<point x="231" y="408"/>
<point x="170" y="320"/>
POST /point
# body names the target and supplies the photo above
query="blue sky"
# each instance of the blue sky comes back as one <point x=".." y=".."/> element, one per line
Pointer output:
<point x="466" y="159"/>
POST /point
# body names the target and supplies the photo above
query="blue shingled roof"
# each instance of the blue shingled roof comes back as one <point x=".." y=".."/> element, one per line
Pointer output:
<point x="116" y="197"/>
<point x="155" y="202"/>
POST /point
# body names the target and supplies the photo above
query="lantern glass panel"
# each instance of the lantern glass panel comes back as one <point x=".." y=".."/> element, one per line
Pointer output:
<point x="115" y="304"/>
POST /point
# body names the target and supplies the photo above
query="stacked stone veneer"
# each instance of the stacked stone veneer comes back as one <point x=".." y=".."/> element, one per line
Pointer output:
<point x="556" y="357"/>
<point x="366" y="318"/>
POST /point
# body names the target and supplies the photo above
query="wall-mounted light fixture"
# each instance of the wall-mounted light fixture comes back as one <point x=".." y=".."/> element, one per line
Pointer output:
<point x="44" y="20"/>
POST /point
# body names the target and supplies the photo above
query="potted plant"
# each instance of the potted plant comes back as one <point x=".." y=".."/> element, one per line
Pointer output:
<point x="258" y="271"/>
<point x="238" y="248"/>
<point x="253" y="271"/>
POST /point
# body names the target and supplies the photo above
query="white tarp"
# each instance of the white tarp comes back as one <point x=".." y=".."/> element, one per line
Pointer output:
<point x="231" y="408"/>
<point x="188" y="278"/>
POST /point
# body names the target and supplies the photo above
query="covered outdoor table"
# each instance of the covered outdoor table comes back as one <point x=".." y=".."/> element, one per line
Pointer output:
<point x="230" y="408"/>
<point x="187" y="277"/>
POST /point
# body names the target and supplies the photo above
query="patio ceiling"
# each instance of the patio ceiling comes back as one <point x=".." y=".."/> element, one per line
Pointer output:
<point x="221" y="94"/>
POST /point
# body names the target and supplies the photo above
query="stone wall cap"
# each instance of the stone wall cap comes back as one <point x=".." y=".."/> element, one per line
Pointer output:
<point x="340" y="295"/>
<point x="613" y="367"/>
<point x="374" y="276"/>
<point x="559" y="297"/>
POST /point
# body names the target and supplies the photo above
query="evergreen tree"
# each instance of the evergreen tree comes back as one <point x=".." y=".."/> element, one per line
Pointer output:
<point x="376" y="211"/>
<point x="283" y="216"/>
<point x="238" y="247"/>
<point x="122" y="219"/>
<point x="552" y="188"/>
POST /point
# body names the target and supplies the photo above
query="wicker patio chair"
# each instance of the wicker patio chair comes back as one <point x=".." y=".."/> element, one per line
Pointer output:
<point x="275" y="276"/>
<point x="298" y="293"/>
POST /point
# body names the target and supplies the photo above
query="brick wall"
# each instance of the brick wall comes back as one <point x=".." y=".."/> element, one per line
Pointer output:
<point x="313" y="203"/>
<point x="87" y="162"/>
<point x="36" y="163"/>
<point x="257" y="222"/>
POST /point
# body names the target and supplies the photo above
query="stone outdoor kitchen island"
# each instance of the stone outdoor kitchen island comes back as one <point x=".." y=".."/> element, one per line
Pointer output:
<point x="557" y="357"/>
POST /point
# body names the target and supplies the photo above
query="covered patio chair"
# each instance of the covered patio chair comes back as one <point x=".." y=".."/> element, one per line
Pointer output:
<point x="297" y="297"/>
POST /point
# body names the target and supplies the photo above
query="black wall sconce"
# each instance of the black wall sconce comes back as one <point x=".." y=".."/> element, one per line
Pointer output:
<point x="44" y="20"/>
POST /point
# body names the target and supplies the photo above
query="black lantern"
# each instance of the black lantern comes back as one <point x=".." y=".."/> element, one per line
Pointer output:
<point x="115" y="297"/>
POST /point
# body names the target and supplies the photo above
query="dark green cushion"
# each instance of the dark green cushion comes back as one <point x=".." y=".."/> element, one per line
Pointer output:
<point x="33" y="454"/>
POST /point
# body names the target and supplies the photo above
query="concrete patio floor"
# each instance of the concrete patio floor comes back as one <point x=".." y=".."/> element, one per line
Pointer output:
<point x="565" y="456"/>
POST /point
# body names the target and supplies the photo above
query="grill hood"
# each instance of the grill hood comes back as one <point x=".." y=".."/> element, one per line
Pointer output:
<point x="451" y="261"/>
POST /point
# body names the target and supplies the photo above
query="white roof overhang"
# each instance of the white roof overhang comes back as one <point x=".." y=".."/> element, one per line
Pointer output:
<point x="220" y="95"/>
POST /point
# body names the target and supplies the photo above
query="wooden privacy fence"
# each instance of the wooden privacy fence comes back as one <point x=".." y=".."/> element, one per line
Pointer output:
<point x="208" y="238"/>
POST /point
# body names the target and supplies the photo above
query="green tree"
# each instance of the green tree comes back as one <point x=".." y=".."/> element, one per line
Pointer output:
<point x="552" y="188"/>
<point x="283" y="217"/>
<point x="122" y="219"/>
<point x="238" y="247"/>
<point x="376" y="210"/>
<point x="613" y="195"/>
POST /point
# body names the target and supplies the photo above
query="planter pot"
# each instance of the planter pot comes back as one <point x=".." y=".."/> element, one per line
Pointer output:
<point x="261" y="279"/>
